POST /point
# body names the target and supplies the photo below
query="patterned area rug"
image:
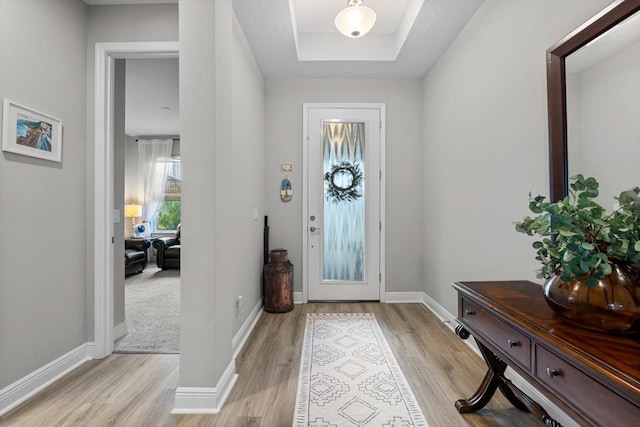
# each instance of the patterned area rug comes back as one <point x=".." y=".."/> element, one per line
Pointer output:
<point x="349" y="376"/>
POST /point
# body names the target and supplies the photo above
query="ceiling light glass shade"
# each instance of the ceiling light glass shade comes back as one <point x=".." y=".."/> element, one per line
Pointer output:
<point x="356" y="20"/>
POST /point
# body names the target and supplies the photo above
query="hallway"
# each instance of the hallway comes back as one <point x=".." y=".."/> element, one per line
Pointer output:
<point x="137" y="390"/>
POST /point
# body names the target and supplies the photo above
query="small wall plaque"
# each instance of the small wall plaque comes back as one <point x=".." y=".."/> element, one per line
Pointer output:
<point x="286" y="192"/>
<point x="286" y="167"/>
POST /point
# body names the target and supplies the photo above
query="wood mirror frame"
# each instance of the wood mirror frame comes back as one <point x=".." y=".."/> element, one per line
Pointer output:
<point x="606" y="19"/>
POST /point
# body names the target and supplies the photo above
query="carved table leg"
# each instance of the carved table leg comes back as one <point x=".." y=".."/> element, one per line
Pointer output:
<point x="494" y="379"/>
<point x="489" y="384"/>
<point x="528" y="403"/>
<point x="481" y="397"/>
<point x="462" y="332"/>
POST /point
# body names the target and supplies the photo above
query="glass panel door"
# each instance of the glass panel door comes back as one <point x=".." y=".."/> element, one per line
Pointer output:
<point x="344" y="237"/>
<point x="341" y="203"/>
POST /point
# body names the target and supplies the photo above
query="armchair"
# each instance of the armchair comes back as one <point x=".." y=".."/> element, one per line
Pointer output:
<point x="135" y="255"/>
<point x="168" y="251"/>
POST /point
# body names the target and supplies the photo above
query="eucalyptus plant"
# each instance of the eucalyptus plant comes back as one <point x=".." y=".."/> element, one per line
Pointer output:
<point x="579" y="238"/>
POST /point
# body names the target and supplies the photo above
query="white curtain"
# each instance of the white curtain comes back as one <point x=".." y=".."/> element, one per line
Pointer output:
<point x="153" y="168"/>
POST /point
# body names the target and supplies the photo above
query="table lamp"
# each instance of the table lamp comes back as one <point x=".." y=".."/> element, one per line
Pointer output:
<point x="133" y="212"/>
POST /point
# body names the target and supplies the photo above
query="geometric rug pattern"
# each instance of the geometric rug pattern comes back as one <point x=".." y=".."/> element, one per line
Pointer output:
<point x="349" y="376"/>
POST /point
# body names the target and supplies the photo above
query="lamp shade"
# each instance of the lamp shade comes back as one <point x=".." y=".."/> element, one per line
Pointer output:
<point x="132" y="211"/>
<point x="356" y="20"/>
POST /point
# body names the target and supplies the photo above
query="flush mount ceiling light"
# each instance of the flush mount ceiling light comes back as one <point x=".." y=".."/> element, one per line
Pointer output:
<point x="355" y="20"/>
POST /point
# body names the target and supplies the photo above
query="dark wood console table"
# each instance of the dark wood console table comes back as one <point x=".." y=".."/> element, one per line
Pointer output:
<point x="594" y="377"/>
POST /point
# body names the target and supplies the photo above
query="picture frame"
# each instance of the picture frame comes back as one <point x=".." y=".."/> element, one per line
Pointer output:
<point x="31" y="133"/>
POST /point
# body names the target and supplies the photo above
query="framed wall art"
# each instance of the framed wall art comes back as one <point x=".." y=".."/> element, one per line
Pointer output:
<point x="31" y="133"/>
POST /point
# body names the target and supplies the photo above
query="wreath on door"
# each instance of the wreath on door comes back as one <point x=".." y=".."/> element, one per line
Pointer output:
<point x="340" y="189"/>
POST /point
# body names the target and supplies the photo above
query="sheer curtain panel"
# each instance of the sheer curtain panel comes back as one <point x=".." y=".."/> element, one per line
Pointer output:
<point x="153" y="169"/>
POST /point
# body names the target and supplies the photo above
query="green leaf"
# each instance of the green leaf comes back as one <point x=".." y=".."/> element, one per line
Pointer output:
<point x="591" y="183"/>
<point x="565" y="277"/>
<point x="588" y="246"/>
<point x="591" y="282"/>
<point x="627" y="197"/>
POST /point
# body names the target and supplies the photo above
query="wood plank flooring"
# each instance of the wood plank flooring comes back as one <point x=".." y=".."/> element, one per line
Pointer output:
<point x="137" y="390"/>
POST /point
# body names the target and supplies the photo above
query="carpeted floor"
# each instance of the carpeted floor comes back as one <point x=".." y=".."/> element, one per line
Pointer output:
<point x="152" y="312"/>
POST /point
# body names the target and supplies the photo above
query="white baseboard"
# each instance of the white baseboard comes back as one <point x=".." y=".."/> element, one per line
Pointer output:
<point x="208" y="400"/>
<point x="26" y="387"/>
<point x="403" y="297"/>
<point x="119" y="331"/>
<point x="241" y="336"/>
<point x="297" y="298"/>
<point x="440" y="312"/>
<point x="450" y="321"/>
<point x="205" y="400"/>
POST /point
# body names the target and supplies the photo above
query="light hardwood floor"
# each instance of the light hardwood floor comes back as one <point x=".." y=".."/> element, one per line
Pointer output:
<point x="137" y="390"/>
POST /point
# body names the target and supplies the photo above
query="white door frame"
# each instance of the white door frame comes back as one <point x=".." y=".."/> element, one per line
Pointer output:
<point x="105" y="54"/>
<point x="305" y="180"/>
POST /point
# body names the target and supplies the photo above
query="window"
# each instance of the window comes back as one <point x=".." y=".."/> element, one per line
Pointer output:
<point x="170" y="210"/>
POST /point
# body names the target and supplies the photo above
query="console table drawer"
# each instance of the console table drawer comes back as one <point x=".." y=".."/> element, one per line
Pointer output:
<point x="504" y="337"/>
<point x="600" y="403"/>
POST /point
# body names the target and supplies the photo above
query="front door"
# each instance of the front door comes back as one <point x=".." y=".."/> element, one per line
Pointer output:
<point x="342" y="221"/>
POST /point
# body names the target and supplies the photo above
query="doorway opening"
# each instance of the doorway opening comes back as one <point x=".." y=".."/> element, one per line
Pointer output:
<point x="103" y="207"/>
<point x="148" y="183"/>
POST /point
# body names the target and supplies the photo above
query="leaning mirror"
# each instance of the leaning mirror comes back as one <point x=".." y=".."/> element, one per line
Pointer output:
<point x="593" y="87"/>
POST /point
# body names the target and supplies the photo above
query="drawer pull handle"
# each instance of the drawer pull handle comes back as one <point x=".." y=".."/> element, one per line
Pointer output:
<point x="552" y="372"/>
<point x="513" y="343"/>
<point x="469" y="312"/>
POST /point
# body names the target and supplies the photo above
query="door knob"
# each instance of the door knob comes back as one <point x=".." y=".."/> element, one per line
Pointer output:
<point x="312" y="229"/>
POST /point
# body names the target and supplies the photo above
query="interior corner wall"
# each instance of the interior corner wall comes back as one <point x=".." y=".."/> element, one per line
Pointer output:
<point x="248" y="174"/>
<point x="404" y="167"/>
<point x="42" y="203"/>
<point x="121" y="23"/>
<point x="199" y="324"/>
<point x="486" y="141"/>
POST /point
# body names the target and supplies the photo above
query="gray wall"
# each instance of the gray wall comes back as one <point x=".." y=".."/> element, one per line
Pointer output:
<point x="131" y="174"/>
<point x="205" y="331"/>
<point x="42" y="204"/>
<point x="485" y="139"/>
<point x="404" y="179"/>
<point x="133" y="23"/>
<point x="603" y="123"/>
<point x="118" y="191"/>
<point x="248" y="174"/>
<point x="223" y="178"/>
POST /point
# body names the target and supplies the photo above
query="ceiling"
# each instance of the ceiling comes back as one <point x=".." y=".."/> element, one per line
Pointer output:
<point x="113" y="2"/>
<point x="269" y="29"/>
<point x="152" y="105"/>
<point x="298" y="39"/>
<point x="407" y="40"/>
